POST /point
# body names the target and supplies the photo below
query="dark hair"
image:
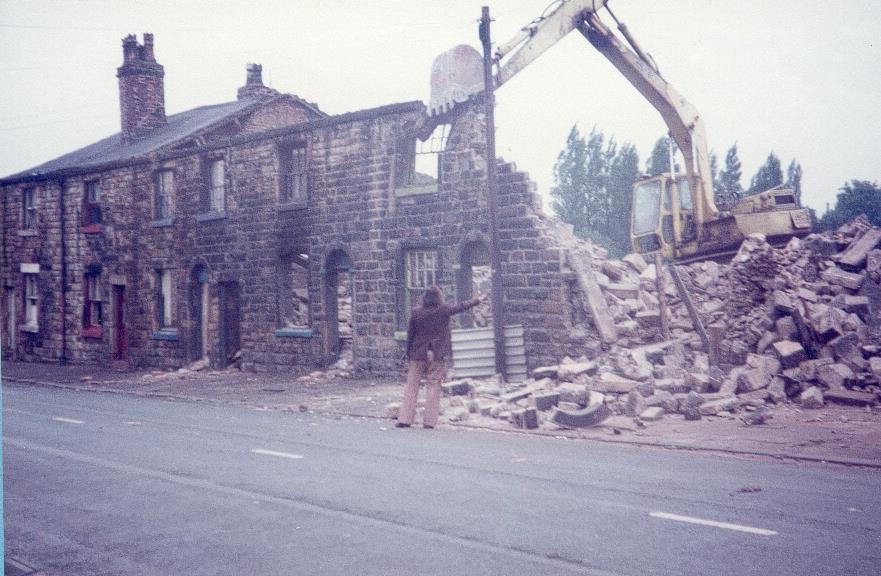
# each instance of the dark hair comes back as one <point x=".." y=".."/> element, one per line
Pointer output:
<point x="433" y="297"/>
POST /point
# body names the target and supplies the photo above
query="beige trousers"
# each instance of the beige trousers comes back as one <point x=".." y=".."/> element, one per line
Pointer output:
<point x="433" y="371"/>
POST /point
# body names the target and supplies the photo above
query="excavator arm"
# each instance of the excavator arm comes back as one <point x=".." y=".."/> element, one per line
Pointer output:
<point x="456" y="78"/>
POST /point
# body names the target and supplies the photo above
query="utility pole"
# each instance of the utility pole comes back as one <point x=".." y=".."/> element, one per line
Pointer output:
<point x="491" y="188"/>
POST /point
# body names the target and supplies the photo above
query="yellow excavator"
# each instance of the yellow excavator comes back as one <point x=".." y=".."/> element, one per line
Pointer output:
<point x="673" y="214"/>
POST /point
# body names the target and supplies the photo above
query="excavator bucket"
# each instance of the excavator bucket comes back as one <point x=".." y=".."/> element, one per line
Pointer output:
<point x="456" y="75"/>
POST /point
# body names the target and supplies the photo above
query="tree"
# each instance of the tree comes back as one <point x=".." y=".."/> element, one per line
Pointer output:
<point x="592" y="183"/>
<point x="729" y="191"/>
<point x="769" y="175"/>
<point x="857" y="197"/>
<point x="793" y="179"/>
<point x="659" y="161"/>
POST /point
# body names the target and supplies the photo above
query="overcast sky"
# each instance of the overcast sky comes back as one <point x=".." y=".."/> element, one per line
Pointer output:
<point x="799" y="78"/>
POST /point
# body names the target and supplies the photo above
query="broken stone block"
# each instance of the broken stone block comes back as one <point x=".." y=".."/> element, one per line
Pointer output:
<point x="835" y="376"/>
<point x="782" y="303"/>
<point x="854" y="257"/>
<point x="691" y="413"/>
<point x="698" y="381"/>
<point x="652" y="414"/>
<point x="777" y="390"/>
<point x="628" y="327"/>
<point x="873" y="265"/>
<point x="624" y="291"/>
<point x="786" y="328"/>
<point x="758" y="416"/>
<point x="569" y="372"/>
<point x="636" y="261"/>
<point x="858" y="305"/>
<point x="753" y="379"/>
<point x="609" y="382"/>
<point x="545" y="372"/>
<point x="458" y="414"/>
<point x="839" y="277"/>
<point x="613" y="269"/>
<point x="392" y="410"/>
<point x="790" y="353"/>
<point x="812" y="398"/>
<point x="526" y="418"/>
<point x="634" y="404"/>
<point x="673" y="385"/>
<point x="586" y="417"/>
<point x="825" y="323"/>
<point x="456" y="387"/>
<point x="850" y="397"/>
<point x="821" y="245"/>
<point x="648" y="318"/>
<point x="546" y="400"/>
<point x="574" y="393"/>
<point x="875" y="367"/>
<point x="650" y="274"/>
<point x="713" y="407"/>
<point x="663" y="399"/>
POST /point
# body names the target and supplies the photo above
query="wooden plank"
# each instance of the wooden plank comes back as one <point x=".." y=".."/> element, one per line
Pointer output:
<point x="692" y="311"/>
<point x="596" y="301"/>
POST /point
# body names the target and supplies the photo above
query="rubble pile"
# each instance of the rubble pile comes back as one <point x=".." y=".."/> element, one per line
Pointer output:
<point x="798" y="324"/>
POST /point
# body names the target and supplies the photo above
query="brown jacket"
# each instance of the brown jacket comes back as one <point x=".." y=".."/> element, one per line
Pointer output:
<point x="429" y="329"/>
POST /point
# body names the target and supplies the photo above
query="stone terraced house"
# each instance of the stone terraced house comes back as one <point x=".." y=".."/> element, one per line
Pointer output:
<point x="266" y="232"/>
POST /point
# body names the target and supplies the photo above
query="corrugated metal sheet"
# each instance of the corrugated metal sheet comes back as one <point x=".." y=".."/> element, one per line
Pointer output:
<point x="474" y="353"/>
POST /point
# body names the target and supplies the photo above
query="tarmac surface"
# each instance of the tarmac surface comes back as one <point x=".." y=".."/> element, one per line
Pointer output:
<point x="834" y="434"/>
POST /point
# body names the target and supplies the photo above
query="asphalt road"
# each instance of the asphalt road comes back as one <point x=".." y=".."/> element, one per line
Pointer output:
<point x="103" y="484"/>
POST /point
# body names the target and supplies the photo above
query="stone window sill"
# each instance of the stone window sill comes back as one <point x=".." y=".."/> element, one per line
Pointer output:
<point x="209" y="216"/>
<point x="30" y="328"/>
<point x="162" y="223"/>
<point x="93" y="332"/>
<point x="167" y="334"/>
<point x="291" y="206"/>
<point x="401" y="336"/>
<point x="294" y="333"/>
<point x="91" y="229"/>
<point x="416" y="190"/>
<point x="27" y="232"/>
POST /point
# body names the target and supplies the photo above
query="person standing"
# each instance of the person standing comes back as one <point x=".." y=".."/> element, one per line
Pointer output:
<point x="428" y="347"/>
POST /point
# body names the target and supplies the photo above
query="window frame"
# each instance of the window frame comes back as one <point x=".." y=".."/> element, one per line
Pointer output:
<point x="163" y="194"/>
<point x="164" y="315"/>
<point x="294" y="169"/>
<point x="213" y="200"/>
<point x="412" y="291"/>
<point x="29" y="208"/>
<point x="93" y="304"/>
<point x="31" y="297"/>
<point x="92" y="203"/>
<point x="287" y="290"/>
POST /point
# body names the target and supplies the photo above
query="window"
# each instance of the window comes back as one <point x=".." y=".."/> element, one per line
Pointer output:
<point x="216" y="200"/>
<point x="295" y="175"/>
<point x="92" y="204"/>
<point x="420" y="270"/>
<point x="646" y="207"/>
<point x="164" y="200"/>
<point x="418" y="163"/>
<point x="31" y="301"/>
<point x="29" y="209"/>
<point x="164" y="299"/>
<point x="293" y="292"/>
<point x="93" y="314"/>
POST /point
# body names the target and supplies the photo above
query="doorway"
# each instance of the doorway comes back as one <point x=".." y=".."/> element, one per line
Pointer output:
<point x="475" y="276"/>
<point x="338" y="301"/>
<point x="230" y="319"/>
<point x="9" y="325"/>
<point x="199" y="313"/>
<point x="120" y="339"/>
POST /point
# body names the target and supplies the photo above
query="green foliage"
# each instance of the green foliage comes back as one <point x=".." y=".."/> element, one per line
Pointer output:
<point x="592" y="188"/>
<point x="659" y="161"/>
<point x="728" y="188"/>
<point x="793" y="178"/>
<point x="769" y="175"/>
<point x="857" y="197"/>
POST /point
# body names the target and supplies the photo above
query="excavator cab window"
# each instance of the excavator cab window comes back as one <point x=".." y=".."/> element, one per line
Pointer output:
<point x="685" y="202"/>
<point x="646" y="207"/>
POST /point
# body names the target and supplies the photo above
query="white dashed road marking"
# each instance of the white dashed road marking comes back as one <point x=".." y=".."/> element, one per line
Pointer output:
<point x="67" y="420"/>
<point x="713" y="523"/>
<point x="278" y="454"/>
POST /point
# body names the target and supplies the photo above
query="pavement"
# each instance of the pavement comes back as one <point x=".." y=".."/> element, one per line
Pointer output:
<point x="833" y="434"/>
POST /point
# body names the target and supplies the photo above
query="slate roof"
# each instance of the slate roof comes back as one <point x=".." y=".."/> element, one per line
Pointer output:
<point x="112" y="150"/>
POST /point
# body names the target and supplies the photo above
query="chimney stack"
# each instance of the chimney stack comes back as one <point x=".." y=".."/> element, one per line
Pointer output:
<point x="254" y="87"/>
<point x="141" y="88"/>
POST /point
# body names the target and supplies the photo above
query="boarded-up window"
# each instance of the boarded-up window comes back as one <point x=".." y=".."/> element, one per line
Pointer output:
<point x="164" y="279"/>
<point x="31" y="301"/>
<point x="29" y="208"/>
<point x="93" y="313"/>
<point x="295" y="175"/>
<point x="216" y="187"/>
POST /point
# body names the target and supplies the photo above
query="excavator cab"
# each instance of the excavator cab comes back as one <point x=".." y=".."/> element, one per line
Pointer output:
<point x="662" y="214"/>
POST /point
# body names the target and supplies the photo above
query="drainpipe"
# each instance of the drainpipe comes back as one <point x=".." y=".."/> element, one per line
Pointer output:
<point x="63" y="221"/>
<point x="491" y="187"/>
